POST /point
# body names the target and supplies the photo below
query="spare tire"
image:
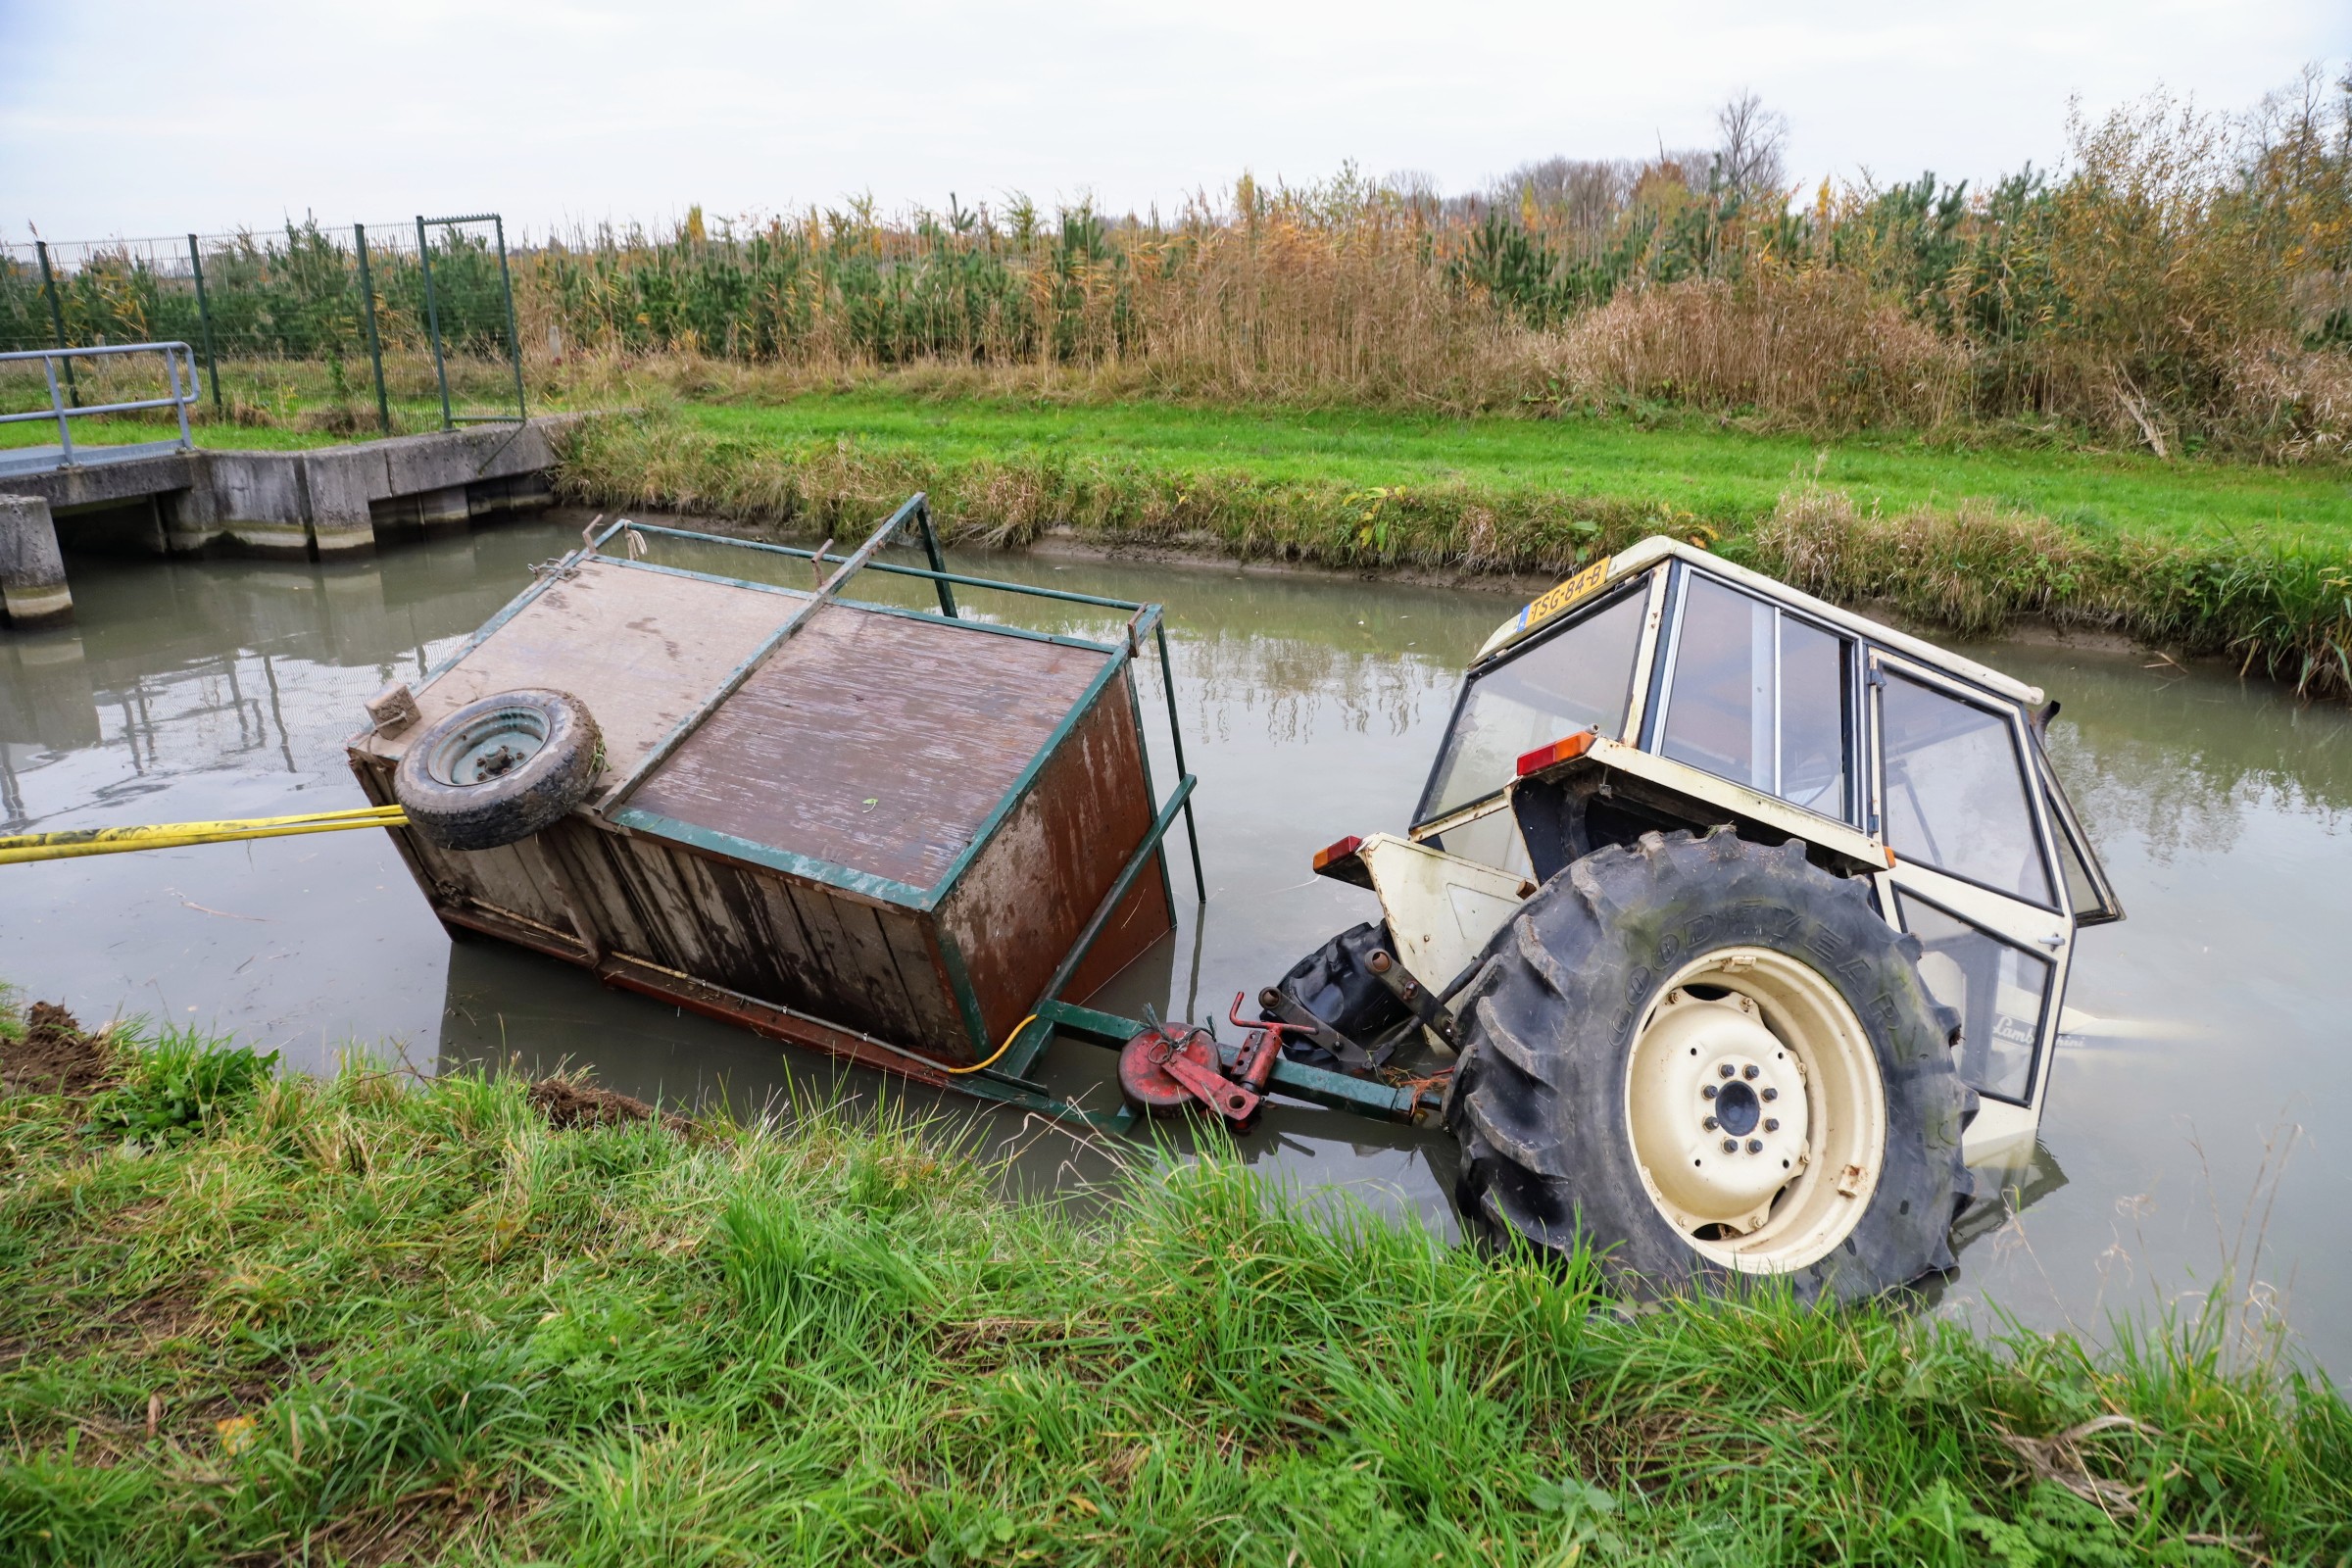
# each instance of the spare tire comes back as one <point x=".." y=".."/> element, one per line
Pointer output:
<point x="1706" y="1059"/>
<point x="500" y="769"/>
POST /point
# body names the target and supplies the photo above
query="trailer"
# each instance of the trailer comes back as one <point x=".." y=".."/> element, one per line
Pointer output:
<point x="910" y="838"/>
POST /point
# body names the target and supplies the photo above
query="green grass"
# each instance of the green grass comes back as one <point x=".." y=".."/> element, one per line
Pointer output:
<point x="1722" y="476"/>
<point x="124" y="432"/>
<point x="366" y="1320"/>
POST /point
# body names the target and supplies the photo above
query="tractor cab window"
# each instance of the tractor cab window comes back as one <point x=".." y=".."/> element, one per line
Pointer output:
<point x="1762" y="698"/>
<point x="2002" y="992"/>
<point x="1575" y="678"/>
<point x="1955" y="789"/>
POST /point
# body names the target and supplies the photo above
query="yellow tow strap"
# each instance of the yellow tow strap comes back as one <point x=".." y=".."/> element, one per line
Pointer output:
<point x="179" y="835"/>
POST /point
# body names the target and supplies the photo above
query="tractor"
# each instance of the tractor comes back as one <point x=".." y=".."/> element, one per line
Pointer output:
<point x="1744" y="921"/>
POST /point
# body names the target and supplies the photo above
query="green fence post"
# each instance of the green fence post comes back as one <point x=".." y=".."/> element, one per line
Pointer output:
<point x="204" y="319"/>
<point x="514" y="341"/>
<point x="57" y="318"/>
<point x="432" y="321"/>
<point x="376" y="348"/>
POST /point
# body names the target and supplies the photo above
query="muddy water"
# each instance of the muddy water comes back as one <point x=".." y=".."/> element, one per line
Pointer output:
<point x="2215" y="1020"/>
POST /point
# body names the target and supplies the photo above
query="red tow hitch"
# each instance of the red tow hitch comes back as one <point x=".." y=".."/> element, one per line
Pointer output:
<point x="1172" y="1067"/>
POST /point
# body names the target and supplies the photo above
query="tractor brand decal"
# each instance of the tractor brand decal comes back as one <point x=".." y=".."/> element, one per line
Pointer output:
<point x="1566" y="594"/>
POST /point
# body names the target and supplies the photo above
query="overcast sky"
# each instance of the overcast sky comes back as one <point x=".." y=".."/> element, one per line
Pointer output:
<point x="124" y="117"/>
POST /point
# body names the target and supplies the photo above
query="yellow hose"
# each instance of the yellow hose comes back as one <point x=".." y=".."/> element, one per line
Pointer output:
<point x="179" y="835"/>
<point x="1001" y="1050"/>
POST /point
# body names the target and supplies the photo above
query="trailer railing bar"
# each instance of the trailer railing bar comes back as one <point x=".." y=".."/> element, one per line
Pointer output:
<point x="1017" y="1065"/>
<point x="1192" y="831"/>
<point x="669" y="743"/>
<point x="896" y="569"/>
<point x="939" y="564"/>
<point x="64" y="408"/>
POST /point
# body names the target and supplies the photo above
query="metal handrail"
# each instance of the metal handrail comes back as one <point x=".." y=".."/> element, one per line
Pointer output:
<point x="61" y="412"/>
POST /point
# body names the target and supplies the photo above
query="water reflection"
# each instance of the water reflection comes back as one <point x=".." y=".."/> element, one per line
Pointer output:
<point x="1310" y="708"/>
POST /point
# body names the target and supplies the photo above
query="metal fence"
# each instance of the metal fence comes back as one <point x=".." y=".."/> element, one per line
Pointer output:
<point x="388" y="325"/>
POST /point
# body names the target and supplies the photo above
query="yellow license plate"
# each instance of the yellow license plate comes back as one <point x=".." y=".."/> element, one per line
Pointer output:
<point x="1568" y="593"/>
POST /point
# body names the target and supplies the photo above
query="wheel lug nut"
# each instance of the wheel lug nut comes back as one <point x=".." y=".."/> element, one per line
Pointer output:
<point x="1706" y="1092"/>
<point x="1730" y="1145"/>
<point x="1727" y="1069"/>
<point x="1756" y="1145"/>
<point x="1709" y="1124"/>
<point x="1772" y="1124"/>
<point x="1750" y="1070"/>
<point x="1770" y="1093"/>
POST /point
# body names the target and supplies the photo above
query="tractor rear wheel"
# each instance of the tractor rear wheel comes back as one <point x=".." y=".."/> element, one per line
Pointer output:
<point x="1703" y="1058"/>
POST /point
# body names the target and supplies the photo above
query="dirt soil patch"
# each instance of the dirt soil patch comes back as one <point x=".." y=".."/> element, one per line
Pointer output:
<point x="55" y="1057"/>
<point x="567" y="1105"/>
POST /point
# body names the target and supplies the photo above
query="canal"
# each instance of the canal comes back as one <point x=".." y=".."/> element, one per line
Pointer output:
<point x="2185" y="1149"/>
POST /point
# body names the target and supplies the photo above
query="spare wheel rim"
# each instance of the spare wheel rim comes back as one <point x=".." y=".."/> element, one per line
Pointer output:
<point x="1756" y="1110"/>
<point x="490" y="746"/>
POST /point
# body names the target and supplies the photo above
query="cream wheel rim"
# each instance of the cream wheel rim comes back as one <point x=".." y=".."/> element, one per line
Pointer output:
<point x="1756" y="1110"/>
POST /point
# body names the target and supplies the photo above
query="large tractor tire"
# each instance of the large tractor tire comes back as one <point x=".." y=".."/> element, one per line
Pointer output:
<point x="1705" y="1058"/>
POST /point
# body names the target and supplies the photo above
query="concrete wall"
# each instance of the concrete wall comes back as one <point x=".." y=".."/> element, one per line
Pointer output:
<point x="325" y="503"/>
<point x="33" y="572"/>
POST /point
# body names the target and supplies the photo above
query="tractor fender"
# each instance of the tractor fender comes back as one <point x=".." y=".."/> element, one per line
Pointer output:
<point x="1441" y="909"/>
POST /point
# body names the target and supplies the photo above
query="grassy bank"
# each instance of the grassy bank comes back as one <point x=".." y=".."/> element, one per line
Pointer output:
<point x="370" y="1320"/>
<point x="2212" y="559"/>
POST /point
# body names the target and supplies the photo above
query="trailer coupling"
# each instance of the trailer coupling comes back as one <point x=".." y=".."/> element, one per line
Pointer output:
<point x="1168" y="1068"/>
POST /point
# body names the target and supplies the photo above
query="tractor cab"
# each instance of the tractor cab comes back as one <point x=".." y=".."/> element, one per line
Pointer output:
<point x="1669" y="690"/>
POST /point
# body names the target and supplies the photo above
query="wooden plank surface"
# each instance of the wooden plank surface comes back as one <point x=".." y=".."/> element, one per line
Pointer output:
<point x="640" y="647"/>
<point x="874" y="742"/>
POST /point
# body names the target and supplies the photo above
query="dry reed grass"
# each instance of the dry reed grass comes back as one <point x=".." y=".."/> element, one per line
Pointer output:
<point x="2186" y="285"/>
<point x="1283" y="309"/>
<point x="1815" y="348"/>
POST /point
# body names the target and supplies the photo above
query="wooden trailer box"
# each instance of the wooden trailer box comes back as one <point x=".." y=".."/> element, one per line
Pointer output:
<point x="883" y="841"/>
